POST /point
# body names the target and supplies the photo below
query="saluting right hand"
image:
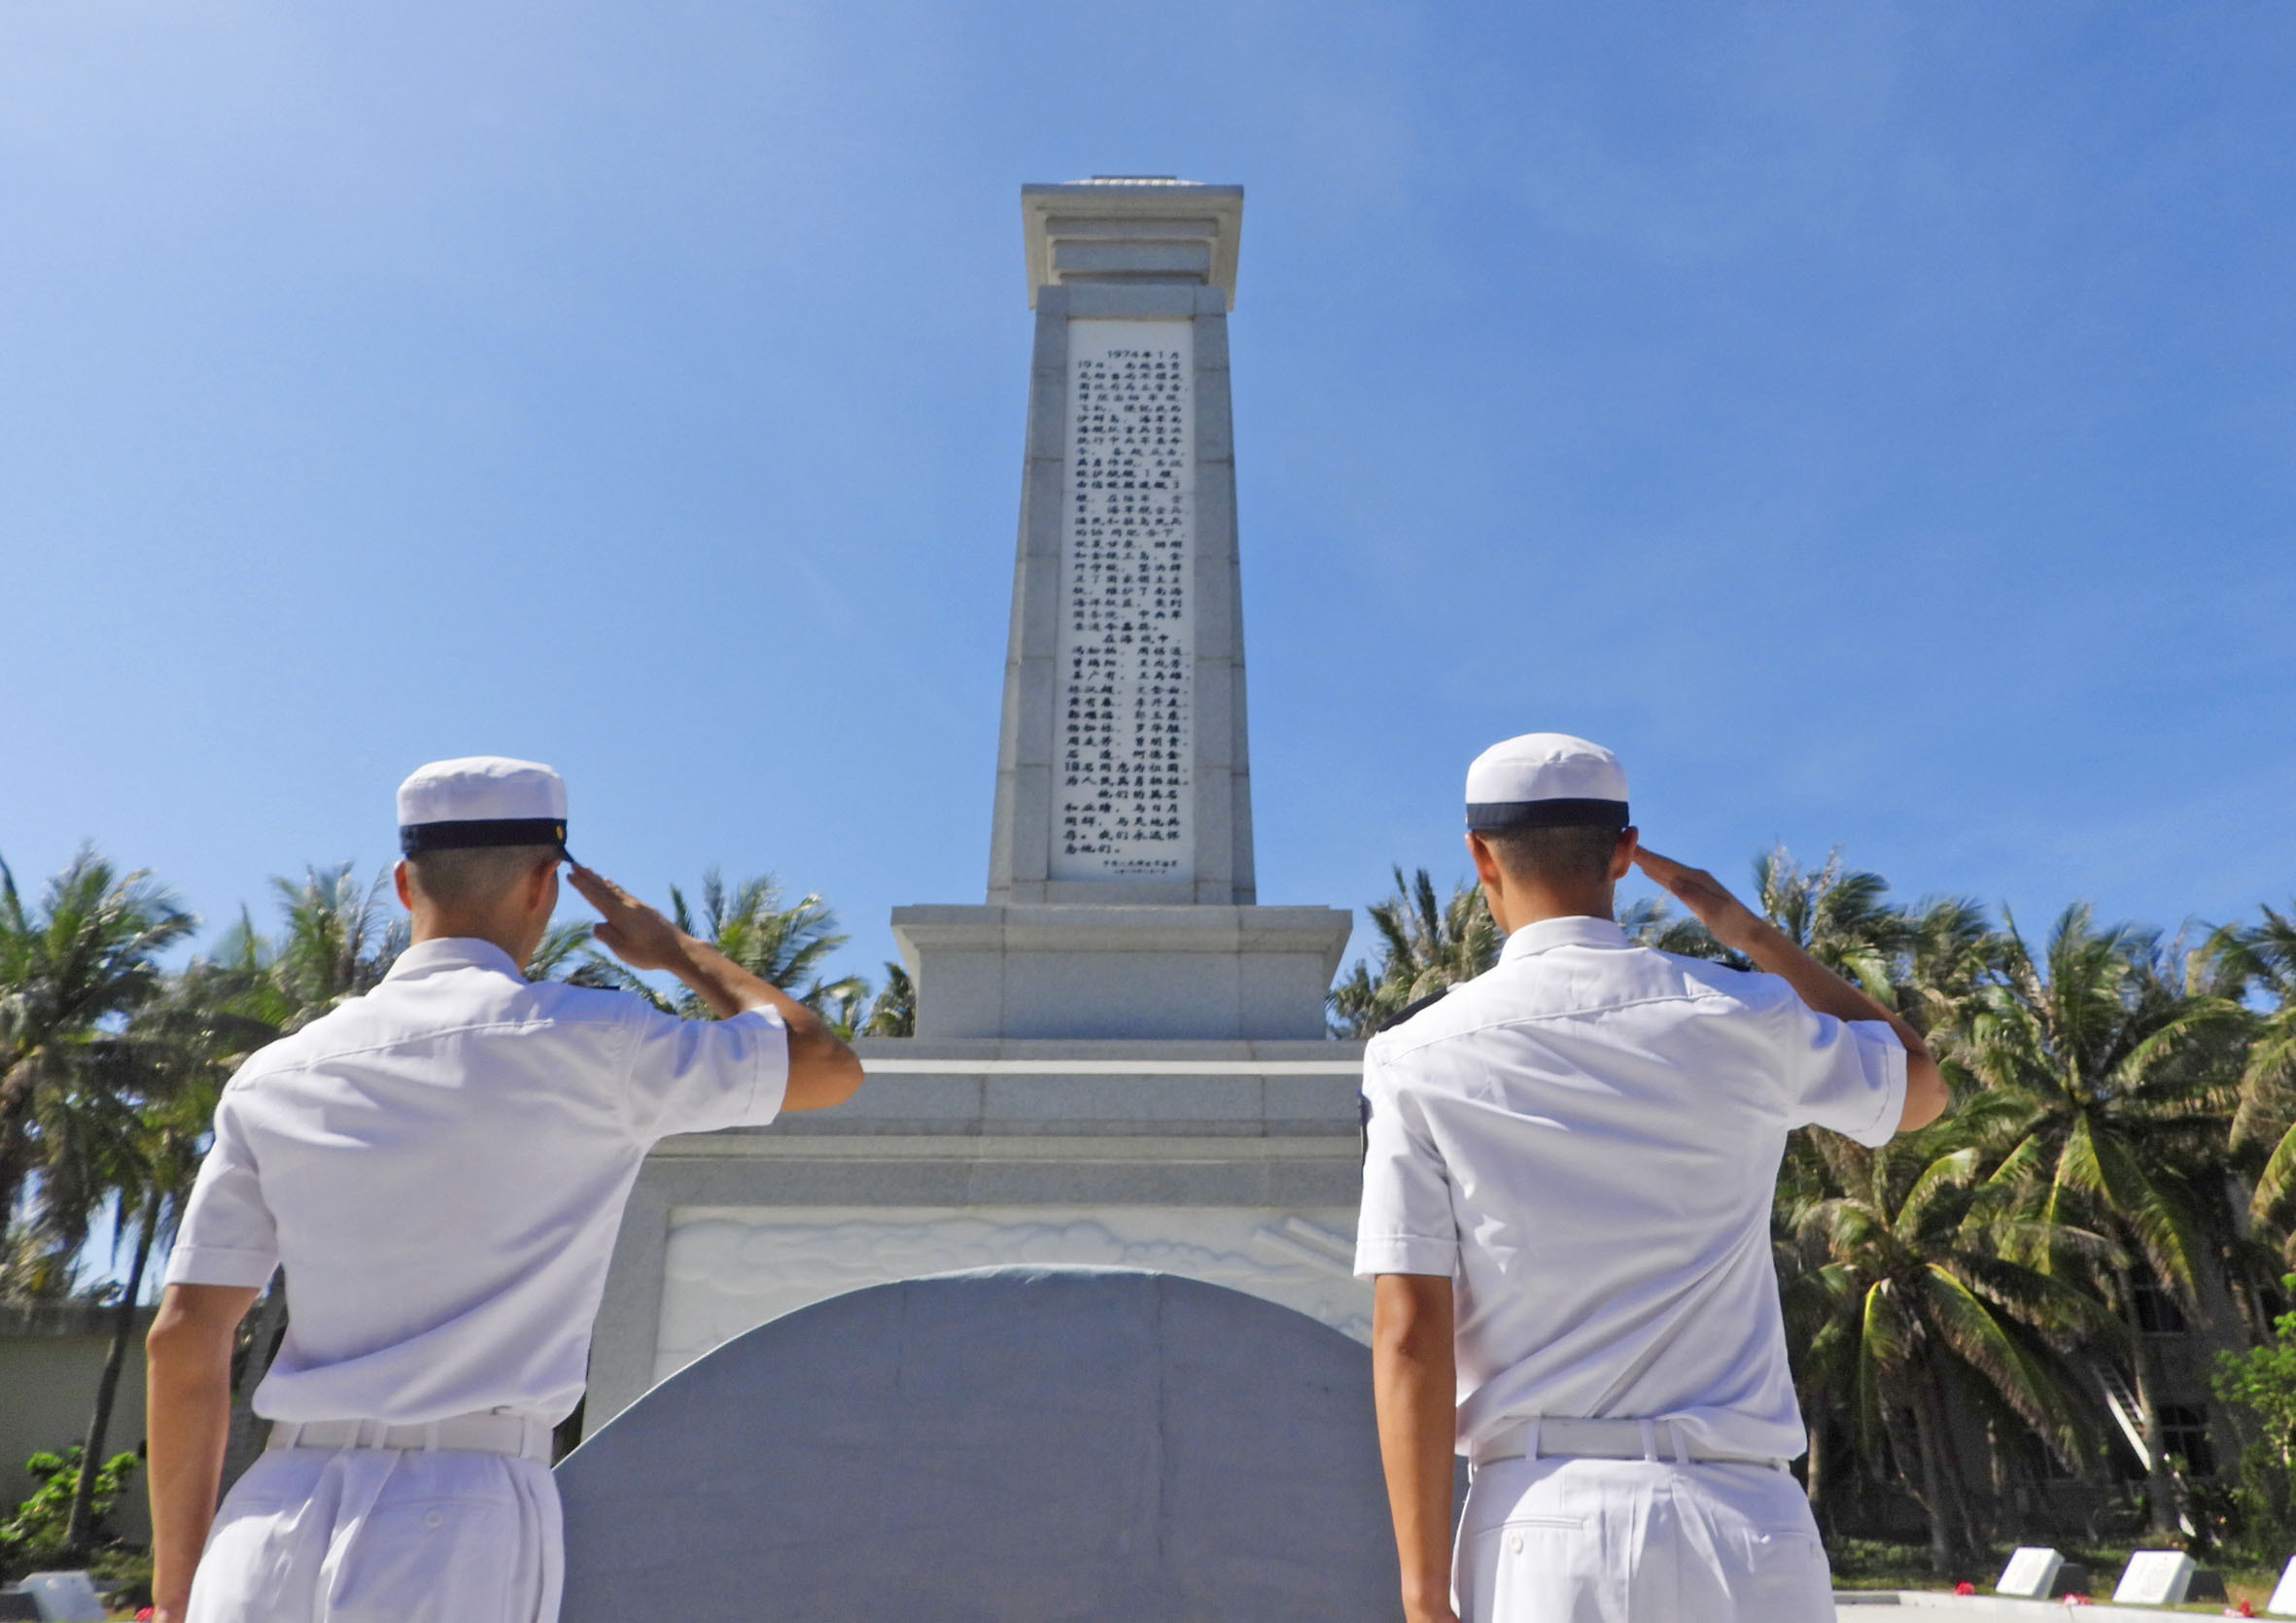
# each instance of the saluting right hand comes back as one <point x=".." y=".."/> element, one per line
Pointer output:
<point x="1727" y="919"/>
<point x="639" y="934"/>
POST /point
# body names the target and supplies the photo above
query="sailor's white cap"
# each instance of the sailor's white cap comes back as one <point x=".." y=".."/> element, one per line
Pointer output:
<point x="481" y="799"/>
<point x="1545" y="780"/>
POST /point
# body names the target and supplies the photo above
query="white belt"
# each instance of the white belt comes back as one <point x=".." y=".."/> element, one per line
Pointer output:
<point x="1544" y="1437"/>
<point x="492" y="1431"/>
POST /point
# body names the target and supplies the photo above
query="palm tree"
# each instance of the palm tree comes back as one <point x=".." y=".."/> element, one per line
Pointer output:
<point x="80" y="1526"/>
<point x="339" y="942"/>
<point x="2263" y="959"/>
<point x="1425" y="947"/>
<point x="1653" y="922"/>
<point x="90" y="954"/>
<point x="894" y="1013"/>
<point x="2111" y="1096"/>
<point x="564" y="953"/>
<point x="159" y="1079"/>
<point x="1841" y="917"/>
<point x="78" y="1123"/>
<point x="847" y="1007"/>
<point x="1916" y="1287"/>
<point x="781" y="946"/>
<point x="1949" y="951"/>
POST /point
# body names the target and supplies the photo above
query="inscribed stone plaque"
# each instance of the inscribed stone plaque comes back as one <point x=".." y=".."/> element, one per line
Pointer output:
<point x="2155" y="1579"/>
<point x="1126" y="702"/>
<point x="2030" y="1572"/>
<point x="2284" y="1598"/>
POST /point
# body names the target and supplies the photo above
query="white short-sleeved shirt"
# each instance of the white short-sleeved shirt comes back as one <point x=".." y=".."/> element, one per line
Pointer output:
<point x="1585" y="1140"/>
<point x="441" y="1165"/>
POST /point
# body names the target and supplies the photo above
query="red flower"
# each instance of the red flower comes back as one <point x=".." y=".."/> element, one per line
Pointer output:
<point x="1965" y="1587"/>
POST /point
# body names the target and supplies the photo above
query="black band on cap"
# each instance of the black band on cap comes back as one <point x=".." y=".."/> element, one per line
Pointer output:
<point x="414" y="839"/>
<point x="1490" y="814"/>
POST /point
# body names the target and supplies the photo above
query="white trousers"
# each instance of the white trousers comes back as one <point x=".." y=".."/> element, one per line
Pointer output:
<point x="384" y="1535"/>
<point x="1569" y="1540"/>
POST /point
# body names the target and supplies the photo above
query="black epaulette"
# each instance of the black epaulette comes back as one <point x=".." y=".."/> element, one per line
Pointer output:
<point x="1409" y="1008"/>
<point x="1363" y="1101"/>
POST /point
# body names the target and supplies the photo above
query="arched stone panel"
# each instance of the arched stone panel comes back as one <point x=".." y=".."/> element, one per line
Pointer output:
<point x="1022" y="1445"/>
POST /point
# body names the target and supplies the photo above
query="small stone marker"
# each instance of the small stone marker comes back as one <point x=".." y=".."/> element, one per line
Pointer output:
<point x="65" y="1597"/>
<point x="2030" y="1572"/>
<point x="2284" y="1598"/>
<point x="2155" y="1579"/>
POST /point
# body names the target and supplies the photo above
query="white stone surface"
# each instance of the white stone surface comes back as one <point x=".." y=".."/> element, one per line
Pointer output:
<point x="2155" y="1579"/>
<point x="2030" y="1572"/>
<point x="2283" y="1595"/>
<point x="1860" y="1607"/>
<point x="65" y="1597"/>
<point x="1131" y="228"/>
<point x="1194" y="971"/>
<point x="730" y="1269"/>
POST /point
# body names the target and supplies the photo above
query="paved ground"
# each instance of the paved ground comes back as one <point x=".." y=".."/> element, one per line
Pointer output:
<point x="1874" y="1607"/>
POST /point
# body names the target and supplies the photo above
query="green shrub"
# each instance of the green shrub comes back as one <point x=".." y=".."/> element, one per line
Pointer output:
<point x="2263" y="1381"/>
<point x="35" y="1535"/>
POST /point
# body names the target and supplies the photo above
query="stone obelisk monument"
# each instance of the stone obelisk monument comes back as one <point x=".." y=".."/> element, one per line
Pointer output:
<point x="1120" y="873"/>
<point x="1120" y="1056"/>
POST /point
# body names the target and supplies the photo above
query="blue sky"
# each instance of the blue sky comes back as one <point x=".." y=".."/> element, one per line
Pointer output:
<point x="1873" y="419"/>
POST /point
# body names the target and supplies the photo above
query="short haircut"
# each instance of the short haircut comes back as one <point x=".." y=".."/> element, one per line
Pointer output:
<point x="1574" y="853"/>
<point x="475" y="876"/>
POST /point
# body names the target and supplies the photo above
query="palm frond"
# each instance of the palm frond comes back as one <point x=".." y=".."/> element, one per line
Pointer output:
<point x="1979" y="1340"/>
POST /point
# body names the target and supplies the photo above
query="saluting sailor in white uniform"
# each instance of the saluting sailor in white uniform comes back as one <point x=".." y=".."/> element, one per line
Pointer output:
<point x="1566" y="1207"/>
<point x="442" y="1166"/>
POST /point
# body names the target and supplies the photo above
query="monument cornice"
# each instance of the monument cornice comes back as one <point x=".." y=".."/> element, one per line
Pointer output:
<point x="1182" y="927"/>
<point x="1131" y="228"/>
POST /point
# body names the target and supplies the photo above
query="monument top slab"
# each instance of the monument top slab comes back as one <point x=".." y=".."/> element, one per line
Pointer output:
<point x="1131" y="228"/>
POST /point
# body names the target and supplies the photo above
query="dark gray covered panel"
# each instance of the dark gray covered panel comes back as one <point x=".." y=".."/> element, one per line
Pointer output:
<point x="1009" y="1444"/>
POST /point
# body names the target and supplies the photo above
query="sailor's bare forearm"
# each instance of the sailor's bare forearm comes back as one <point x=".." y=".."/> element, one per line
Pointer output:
<point x="822" y="1070"/>
<point x="1738" y="926"/>
<point x="1775" y="953"/>
<point x="1415" y="1388"/>
<point x="187" y="1402"/>
<point x="728" y="987"/>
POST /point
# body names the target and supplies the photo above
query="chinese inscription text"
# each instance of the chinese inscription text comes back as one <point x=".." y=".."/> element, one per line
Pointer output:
<point x="1125" y="720"/>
